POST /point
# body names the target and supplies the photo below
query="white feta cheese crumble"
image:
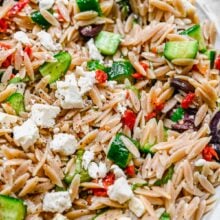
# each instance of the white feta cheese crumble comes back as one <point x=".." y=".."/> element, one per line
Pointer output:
<point x="121" y="109"/>
<point x="60" y="217"/>
<point x="47" y="41"/>
<point x="68" y="93"/>
<point x="136" y="206"/>
<point x="117" y="171"/>
<point x="88" y="156"/>
<point x="86" y="82"/>
<point x="22" y="37"/>
<point x="97" y="170"/>
<point x="120" y="191"/>
<point x="65" y="144"/>
<point x="93" y="51"/>
<point x="57" y="202"/>
<point x="6" y="120"/>
<point x="111" y="84"/>
<point x="200" y="162"/>
<point x="44" y="115"/>
<point x="26" y="134"/>
<point x="46" y="4"/>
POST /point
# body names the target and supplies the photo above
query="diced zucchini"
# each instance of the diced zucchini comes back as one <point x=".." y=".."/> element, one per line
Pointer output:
<point x="165" y="216"/>
<point x="95" y="65"/>
<point x="107" y="42"/>
<point x="166" y="177"/>
<point x="89" y="5"/>
<point x="118" y="153"/>
<point x="121" y="70"/>
<point x="12" y="208"/>
<point x="38" y="18"/>
<point x="56" y="69"/>
<point x="180" y="49"/>
<point x="15" y="80"/>
<point x="211" y="54"/>
<point x="147" y="148"/>
<point x="16" y="100"/>
<point x="195" y="32"/>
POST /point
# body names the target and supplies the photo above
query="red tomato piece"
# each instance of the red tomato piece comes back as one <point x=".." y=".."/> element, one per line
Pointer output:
<point x="150" y="116"/>
<point x="137" y="76"/>
<point x="217" y="63"/>
<point x="101" y="76"/>
<point x="7" y="62"/>
<point x="100" y="192"/>
<point x="129" y="119"/>
<point x="3" y="25"/>
<point x="28" y="51"/>
<point x="187" y="101"/>
<point x="144" y="65"/>
<point x="108" y="180"/>
<point x="17" y="8"/>
<point x="130" y="170"/>
<point x="159" y="107"/>
<point x="209" y="153"/>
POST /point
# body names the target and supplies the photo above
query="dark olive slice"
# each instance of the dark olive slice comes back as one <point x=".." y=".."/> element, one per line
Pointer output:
<point x="90" y="31"/>
<point x="183" y="85"/>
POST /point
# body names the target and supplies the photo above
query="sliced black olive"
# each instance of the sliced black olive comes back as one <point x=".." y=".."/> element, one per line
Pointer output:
<point x="185" y="124"/>
<point x="215" y="128"/>
<point x="181" y="84"/>
<point x="90" y="31"/>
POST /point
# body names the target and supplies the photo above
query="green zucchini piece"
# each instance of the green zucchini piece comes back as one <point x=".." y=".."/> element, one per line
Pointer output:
<point x="107" y="42"/>
<point x="38" y="18"/>
<point x="89" y="5"/>
<point x="121" y="70"/>
<point x="211" y="54"/>
<point x="56" y="69"/>
<point x="16" y="100"/>
<point x="118" y="153"/>
<point x="165" y="216"/>
<point x="12" y="208"/>
<point x="195" y="32"/>
<point x="166" y="177"/>
<point x="95" y="65"/>
<point x="180" y="49"/>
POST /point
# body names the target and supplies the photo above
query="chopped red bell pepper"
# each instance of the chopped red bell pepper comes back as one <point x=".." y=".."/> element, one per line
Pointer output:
<point x="28" y="51"/>
<point x="187" y="101"/>
<point x="101" y="76"/>
<point x="130" y="170"/>
<point x="217" y="63"/>
<point x="209" y="153"/>
<point x="159" y="107"/>
<point x="7" y="62"/>
<point x="100" y="192"/>
<point x="129" y="118"/>
<point x="144" y="65"/>
<point x="150" y="116"/>
<point x="3" y="25"/>
<point x="137" y="76"/>
<point x="17" y="8"/>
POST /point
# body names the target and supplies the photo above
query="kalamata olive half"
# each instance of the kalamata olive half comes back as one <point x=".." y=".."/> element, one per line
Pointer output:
<point x="90" y="31"/>
<point x="181" y="84"/>
<point x="215" y="128"/>
<point x="186" y="123"/>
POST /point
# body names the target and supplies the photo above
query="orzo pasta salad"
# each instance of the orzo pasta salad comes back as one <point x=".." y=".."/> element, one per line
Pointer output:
<point x="109" y="110"/>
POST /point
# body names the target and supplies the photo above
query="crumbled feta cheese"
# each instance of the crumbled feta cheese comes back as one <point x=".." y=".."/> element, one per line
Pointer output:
<point x="57" y="202"/>
<point x="21" y="37"/>
<point x="93" y="51"/>
<point x="60" y="217"/>
<point x="47" y="41"/>
<point x="6" y="120"/>
<point x="44" y="115"/>
<point x="26" y="134"/>
<point x="120" y="191"/>
<point x="97" y="171"/>
<point x="65" y="144"/>
<point x="88" y="156"/>
<point x="136" y="206"/>
<point x="111" y="84"/>
<point x="200" y="162"/>
<point x="121" y="109"/>
<point x="46" y="4"/>
<point x="68" y="93"/>
<point x="86" y="82"/>
<point x="117" y="171"/>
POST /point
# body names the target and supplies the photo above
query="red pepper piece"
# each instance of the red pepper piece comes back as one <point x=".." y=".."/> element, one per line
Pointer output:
<point x="101" y="76"/>
<point x="150" y="116"/>
<point x="7" y="62"/>
<point x="130" y="170"/>
<point x="3" y="25"/>
<point x="17" y="8"/>
<point x="137" y="76"/>
<point x="159" y="107"/>
<point x="187" y="101"/>
<point x="28" y="51"/>
<point x="144" y="65"/>
<point x="129" y="119"/>
<point x="217" y="63"/>
<point x="209" y="153"/>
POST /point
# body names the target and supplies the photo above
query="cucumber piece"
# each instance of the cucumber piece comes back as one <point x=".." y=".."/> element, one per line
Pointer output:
<point x="166" y="177"/>
<point x="118" y="153"/>
<point x="180" y="49"/>
<point x="56" y="69"/>
<point x="195" y="32"/>
<point x="165" y="216"/>
<point x="12" y="208"/>
<point x="95" y="65"/>
<point x="211" y="54"/>
<point x="38" y="18"/>
<point x="107" y="42"/>
<point x="15" y="80"/>
<point x="16" y="100"/>
<point x="89" y="5"/>
<point x="121" y="70"/>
